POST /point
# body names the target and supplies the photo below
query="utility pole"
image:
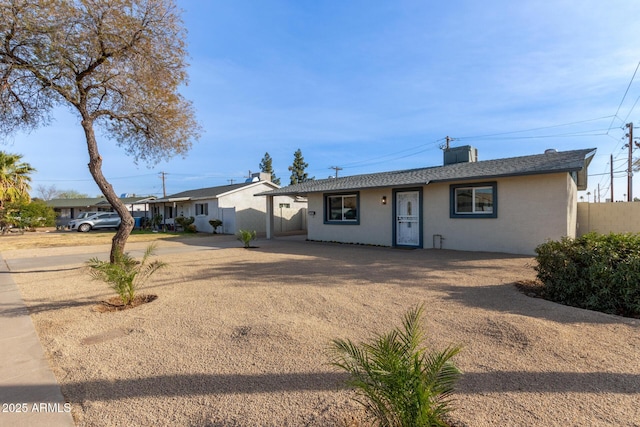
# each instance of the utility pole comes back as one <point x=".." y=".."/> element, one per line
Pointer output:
<point x="448" y="141"/>
<point x="164" y="188"/>
<point x="230" y="181"/>
<point x="630" y="164"/>
<point x="611" y="161"/>
<point x="336" y="168"/>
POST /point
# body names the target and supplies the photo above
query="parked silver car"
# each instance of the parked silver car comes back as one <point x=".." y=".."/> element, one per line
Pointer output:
<point x="100" y="220"/>
<point x="83" y="215"/>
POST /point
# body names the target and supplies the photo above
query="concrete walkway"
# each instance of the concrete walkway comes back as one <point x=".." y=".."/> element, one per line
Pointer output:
<point x="29" y="392"/>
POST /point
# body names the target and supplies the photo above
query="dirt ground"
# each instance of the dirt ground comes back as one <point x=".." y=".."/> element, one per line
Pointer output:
<point x="239" y="337"/>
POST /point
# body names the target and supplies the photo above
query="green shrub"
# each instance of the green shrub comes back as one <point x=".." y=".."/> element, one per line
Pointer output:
<point x="126" y="274"/>
<point x="27" y="215"/>
<point x="186" y="223"/>
<point x="246" y="237"/>
<point x="145" y="223"/>
<point x="595" y="271"/>
<point x="155" y="222"/>
<point x="215" y="223"/>
<point x="397" y="380"/>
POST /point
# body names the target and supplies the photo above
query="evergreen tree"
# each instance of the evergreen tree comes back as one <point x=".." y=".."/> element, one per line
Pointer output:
<point x="298" y="175"/>
<point x="266" y="166"/>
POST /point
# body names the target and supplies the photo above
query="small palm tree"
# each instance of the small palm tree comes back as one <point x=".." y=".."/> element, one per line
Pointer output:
<point x="126" y="274"/>
<point x="246" y="236"/>
<point x="14" y="179"/>
<point x="397" y="380"/>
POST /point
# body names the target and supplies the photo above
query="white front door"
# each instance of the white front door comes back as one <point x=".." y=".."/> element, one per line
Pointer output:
<point x="408" y="218"/>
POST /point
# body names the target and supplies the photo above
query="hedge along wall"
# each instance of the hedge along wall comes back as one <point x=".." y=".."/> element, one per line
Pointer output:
<point x="595" y="271"/>
<point x="604" y="218"/>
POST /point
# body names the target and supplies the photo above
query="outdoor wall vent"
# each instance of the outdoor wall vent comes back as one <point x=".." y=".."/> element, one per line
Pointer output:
<point x="463" y="154"/>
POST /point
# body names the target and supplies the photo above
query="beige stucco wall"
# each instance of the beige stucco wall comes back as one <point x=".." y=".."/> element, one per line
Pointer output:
<point x="531" y="210"/>
<point x="622" y="217"/>
<point x="375" y="221"/>
<point x="251" y="210"/>
<point x="292" y="218"/>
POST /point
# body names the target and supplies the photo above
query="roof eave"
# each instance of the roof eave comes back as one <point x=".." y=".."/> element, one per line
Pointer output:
<point x="423" y="182"/>
<point x="582" y="176"/>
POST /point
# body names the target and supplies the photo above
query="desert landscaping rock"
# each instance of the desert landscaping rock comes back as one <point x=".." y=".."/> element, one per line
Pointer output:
<point x="239" y="338"/>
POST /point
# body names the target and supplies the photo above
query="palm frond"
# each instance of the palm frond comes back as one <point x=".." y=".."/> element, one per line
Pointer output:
<point x="125" y="274"/>
<point x="396" y="380"/>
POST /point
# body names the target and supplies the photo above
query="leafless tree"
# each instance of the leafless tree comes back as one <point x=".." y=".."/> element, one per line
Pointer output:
<point x="47" y="193"/>
<point x="117" y="63"/>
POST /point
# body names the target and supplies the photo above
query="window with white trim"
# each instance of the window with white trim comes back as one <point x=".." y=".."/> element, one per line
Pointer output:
<point x="474" y="200"/>
<point x="342" y="208"/>
<point x="202" y="208"/>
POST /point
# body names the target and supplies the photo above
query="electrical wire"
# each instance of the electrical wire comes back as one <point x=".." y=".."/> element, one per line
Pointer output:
<point x="631" y="110"/>
<point x="386" y="156"/>
<point x="532" y="129"/>
<point x="394" y="155"/>
<point x="623" y="97"/>
<point x="558" y="135"/>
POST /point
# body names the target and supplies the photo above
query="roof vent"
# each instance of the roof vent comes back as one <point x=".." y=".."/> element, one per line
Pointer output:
<point x="464" y="154"/>
<point x="550" y="150"/>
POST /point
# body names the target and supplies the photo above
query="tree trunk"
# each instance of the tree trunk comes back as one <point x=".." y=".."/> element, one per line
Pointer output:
<point x="95" y="167"/>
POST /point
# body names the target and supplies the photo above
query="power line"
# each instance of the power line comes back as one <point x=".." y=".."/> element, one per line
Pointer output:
<point x="429" y="144"/>
<point x="623" y="97"/>
<point x="632" y="107"/>
<point x="620" y="173"/>
<point x="388" y="157"/>
<point x="532" y="129"/>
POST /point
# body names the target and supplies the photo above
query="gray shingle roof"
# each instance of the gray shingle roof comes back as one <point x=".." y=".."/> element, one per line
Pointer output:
<point x="72" y="203"/>
<point x="553" y="162"/>
<point x="93" y="201"/>
<point x="201" y="193"/>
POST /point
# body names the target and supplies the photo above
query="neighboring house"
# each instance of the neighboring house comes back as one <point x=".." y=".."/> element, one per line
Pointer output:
<point x="68" y="209"/>
<point x="235" y="205"/>
<point x="506" y="205"/>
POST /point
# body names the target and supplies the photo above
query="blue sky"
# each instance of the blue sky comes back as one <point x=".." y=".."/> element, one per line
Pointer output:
<point x="377" y="86"/>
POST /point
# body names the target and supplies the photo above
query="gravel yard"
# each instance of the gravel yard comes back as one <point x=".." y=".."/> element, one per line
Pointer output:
<point x="238" y="337"/>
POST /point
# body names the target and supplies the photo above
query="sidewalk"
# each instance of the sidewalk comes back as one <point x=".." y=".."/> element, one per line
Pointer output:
<point x="29" y="392"/>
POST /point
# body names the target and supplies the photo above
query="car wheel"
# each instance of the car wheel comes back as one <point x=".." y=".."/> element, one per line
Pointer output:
<point x="84" y="227"/>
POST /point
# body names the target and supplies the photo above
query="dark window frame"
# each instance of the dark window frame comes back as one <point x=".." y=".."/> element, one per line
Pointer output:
<point x="326" y="216"/>
<point x="453" y="213"/>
